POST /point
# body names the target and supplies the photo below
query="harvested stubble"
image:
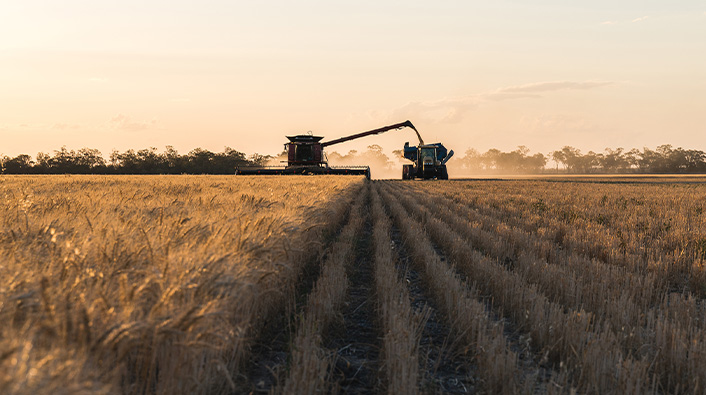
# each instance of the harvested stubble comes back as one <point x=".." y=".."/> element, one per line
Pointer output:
<point x="310" y="361"/>
<point x="588" y="279"/>
<point x="652" y="323"/>
<point x="465" y="314"/>
<point x="580" y="342"/>
<point x="610" y="291"/>
<point x="566" y="276"/>
<point x="658" y="228"/>
<point x="402" y="326"/>
<point x="150" y="284"/>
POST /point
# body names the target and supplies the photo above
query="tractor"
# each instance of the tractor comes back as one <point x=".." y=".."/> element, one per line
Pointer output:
<point x="429" y="161"/>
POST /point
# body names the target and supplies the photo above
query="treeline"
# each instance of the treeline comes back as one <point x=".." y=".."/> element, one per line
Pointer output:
<point x="144" y="161"/>
<point x="496" y="161"/>
<point x="665" y="159"/>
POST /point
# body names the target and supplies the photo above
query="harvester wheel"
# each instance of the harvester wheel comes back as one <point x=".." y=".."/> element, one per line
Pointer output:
<point x="407" y="172"/>
<point x="443" y="173"/>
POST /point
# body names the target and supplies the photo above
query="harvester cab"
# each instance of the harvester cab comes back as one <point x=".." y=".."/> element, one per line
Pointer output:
<point x="429" y="161"/>
<point x="304" y="150"/>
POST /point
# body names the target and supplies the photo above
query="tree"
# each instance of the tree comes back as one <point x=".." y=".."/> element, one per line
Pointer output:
<point x="172" y="160"/>
<point x="148" y="161"/>
<point x="535" y="163"/>
<point x="472" y="161"/>
<point x="62" y="161"/>
<point x="21" y="164"/>
<point x="199" y="161"/>
<point x="490" y="159"/>
<point x="559" y="157"/>
<point x="696" y="161"/>
<point x="613" y="161"/>
<point x="376" y="158"/>
<point x="632" y="158"/>
<point x="42" y="165"/>
<point x="88" y="160"/>
<point x="572" y="157"/>
<point x="260" y="160"/>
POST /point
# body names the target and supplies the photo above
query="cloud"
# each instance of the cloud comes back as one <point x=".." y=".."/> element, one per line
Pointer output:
<point x="448" y="110"/>
<point x="640" y="19"/>
<point x="532" y="91"/>
<point x="453" y="110"/>
<point x="123" y="122"/>
<point x="563" y="123"/>
<point x="549" y="86"/>
<point x="64" y="126"/>
<point x="41" y="127"/>
<point x="29" y="126"/>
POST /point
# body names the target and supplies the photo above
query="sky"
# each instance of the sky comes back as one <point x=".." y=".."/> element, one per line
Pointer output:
<point x="243" y="74"/>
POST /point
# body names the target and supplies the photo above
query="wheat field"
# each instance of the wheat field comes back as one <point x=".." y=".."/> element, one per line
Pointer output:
<point x="303" y="284"/>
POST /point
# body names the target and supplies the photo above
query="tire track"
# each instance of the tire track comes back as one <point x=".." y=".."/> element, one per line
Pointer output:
<point x="519" y="343"/>
<point x="446" y="368"/>
<point x="400" y="323"/>
<point x="355" y="339"/>
<point x="470" y="325"/>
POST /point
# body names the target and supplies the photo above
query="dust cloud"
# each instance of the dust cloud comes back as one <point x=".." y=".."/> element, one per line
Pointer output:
<point x="381" y="166"/>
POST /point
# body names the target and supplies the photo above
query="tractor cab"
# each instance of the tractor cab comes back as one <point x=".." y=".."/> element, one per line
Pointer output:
<point x="428" y="155"/>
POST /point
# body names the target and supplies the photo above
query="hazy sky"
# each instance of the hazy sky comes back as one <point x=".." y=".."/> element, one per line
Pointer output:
<point x="133" y="74"/>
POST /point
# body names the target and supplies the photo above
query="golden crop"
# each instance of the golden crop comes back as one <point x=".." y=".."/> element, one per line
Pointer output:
<point x="172" y="284"/>
<point x="149" y="283"/>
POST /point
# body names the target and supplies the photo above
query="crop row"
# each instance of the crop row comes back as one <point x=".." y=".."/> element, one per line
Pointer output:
<point x="657" y="228"/>
<point x="656" y="333"/>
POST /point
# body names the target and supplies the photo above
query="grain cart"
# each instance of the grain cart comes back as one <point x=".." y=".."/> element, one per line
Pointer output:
<point x="305" y="155"/>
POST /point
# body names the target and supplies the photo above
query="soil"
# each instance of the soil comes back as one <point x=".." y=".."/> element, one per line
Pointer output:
<point x="356" y="339"/>
<point x="445" y="367"/>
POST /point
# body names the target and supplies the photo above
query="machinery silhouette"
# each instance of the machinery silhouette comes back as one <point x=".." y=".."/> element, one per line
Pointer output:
<point x="305" y="155"/>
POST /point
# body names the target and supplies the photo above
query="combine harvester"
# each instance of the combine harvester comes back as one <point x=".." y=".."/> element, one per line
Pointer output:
<point x="305" y="155"/>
